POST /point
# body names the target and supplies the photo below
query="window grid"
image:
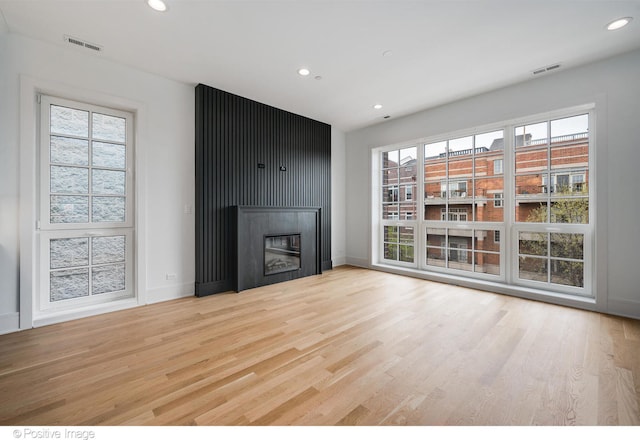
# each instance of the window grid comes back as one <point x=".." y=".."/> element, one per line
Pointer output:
<point x="86" y="209"/>
<point x="460" y="187"/>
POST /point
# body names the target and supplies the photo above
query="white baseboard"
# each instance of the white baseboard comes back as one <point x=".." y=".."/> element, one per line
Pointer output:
<point x="339" y="261"/>
<point x="623" y="307"/>
<point x="9" y="323"/>
<point x="359" y="262"/>
<point x="152" y="296"/>
<point x="97" y="309"/>
<point x="161" y="294"/>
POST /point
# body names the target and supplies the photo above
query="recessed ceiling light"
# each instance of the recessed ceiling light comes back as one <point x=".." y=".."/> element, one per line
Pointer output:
<point x="157" y="5"/>
<point x="303" y="71"/>
<point x="619" y="23"/>
<point x="377" y="106"/>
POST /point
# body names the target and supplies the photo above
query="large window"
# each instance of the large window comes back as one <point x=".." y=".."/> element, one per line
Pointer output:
<point x="86" y="205"/>
<point x="460" y="219"/>
<point x="398" y="177"/>
<point x="510" y="204"/>
<point x="398" y="183"/>
<point x="551" y="209"/>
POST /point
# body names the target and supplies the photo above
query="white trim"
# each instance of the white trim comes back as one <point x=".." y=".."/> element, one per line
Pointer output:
<point x="129" y="144"/>
<point x="29" y="88"/>
<point x="508" y="243"/>
<point x="97" y="309"/>
<point x="47" y="231"/>
<point x="624" y="307"/>
<point x="339" y="261"/>
<point x="9" y="323"/>
<point x="599" y="210"/>
<point x="168" y="293"/>
<point x="358" y="262"/>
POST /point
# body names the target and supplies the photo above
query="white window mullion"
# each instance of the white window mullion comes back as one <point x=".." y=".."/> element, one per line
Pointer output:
<point x="516" y="200"/>
<point x="83" y="261"/>
<point x="508" y="202"/>
<point x="421" y="233"/>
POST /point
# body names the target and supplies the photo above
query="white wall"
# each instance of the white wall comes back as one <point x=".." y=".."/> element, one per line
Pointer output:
<point x="165" y="154"/>
<point x="613" y="84"/>
<point x="338" y="197"/>
<point x="3" y="24"/>
<point x="9" y="156"/>
<point x="165" y="149"/>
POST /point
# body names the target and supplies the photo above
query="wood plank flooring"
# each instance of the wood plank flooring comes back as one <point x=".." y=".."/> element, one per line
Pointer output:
<point x="348" y="347"/>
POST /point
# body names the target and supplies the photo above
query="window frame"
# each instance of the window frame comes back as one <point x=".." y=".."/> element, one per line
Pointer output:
<point x="395" y="219"/>
<point x="44" y="220"/>
<point x="44" y="307"/>
<point x="549" y="182"/>
<point x="508" y="227"/>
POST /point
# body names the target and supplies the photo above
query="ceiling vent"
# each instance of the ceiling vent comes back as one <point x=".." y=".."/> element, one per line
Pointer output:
<point x="80" y="43"/>
<point x="546" y="69"/>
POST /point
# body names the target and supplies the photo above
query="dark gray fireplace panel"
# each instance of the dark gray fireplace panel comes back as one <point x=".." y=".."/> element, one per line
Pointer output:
<point x="255" y="223"/>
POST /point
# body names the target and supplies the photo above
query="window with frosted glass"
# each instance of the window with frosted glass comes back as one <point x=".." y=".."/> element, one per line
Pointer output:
<point x="86" y="266"/>
<point x="87" y="172"/>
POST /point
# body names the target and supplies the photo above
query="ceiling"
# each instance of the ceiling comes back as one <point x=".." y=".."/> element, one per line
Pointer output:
<point x="406" y="55"/>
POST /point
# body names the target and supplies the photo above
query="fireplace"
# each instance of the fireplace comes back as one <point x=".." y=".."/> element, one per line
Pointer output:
<point x="276" y="244"/>
<point x="281" y="253"/>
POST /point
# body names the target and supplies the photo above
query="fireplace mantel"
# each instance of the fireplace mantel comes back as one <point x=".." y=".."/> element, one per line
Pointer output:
<point x="254" y="223"/>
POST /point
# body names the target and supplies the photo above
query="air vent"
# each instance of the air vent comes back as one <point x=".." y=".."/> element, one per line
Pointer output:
<point x="546" y="69"/>
<point x="78" y="42"/>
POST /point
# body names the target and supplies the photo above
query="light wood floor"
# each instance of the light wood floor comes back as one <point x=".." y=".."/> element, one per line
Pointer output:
<point x="349" y="347"/>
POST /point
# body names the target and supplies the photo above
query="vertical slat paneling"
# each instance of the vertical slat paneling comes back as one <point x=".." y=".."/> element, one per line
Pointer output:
<point x="233" y="135"/>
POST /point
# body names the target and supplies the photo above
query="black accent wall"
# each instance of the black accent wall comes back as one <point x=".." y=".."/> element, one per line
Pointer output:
<point x="248" y="153"/>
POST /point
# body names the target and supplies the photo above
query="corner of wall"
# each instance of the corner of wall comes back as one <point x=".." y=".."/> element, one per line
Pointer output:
<point x="9" y="323"/>
<point x="338" y="197"/>
<point x="4" y="27"/>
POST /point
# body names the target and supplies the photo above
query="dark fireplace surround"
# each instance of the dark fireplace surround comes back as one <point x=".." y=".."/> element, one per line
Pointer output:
<point x="256" y="225"/>
<point x="257" y="165"/>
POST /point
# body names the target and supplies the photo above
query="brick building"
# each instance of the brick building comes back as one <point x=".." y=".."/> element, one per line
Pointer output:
<point x="467" y="184"/>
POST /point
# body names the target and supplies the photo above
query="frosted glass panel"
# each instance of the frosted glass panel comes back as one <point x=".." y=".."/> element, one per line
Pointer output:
<point x="69" y="121"/>
<point x="69" y="180"/>
<point x="107" y="182"/>
<point x="67" y="284"/>
<point x="109" y="128"/>
<point x="69" y="151"/>
<point x="108" y="278"/>
<point x="108" y="155"/>
<point x="69" y="252"/>
<point x="108" y="249"/>
<point x="69" y="209"/>
<point x="108" y="209"/>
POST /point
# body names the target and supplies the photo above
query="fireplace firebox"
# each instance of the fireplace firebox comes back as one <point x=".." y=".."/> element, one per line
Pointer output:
<point x="281" y="253"/>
